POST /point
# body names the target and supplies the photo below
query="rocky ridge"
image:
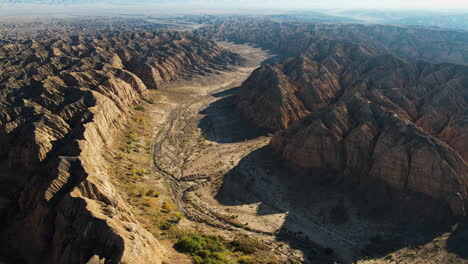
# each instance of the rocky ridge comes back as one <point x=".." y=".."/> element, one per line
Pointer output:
<point x="289" y="38"/>
<point x="355" y="99"/>
<point x="63" y="101"/>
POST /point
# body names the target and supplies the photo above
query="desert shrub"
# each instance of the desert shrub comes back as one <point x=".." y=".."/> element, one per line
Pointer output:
<point x="152" y="193"/>
<point x="197" y="259"/>
<point x="120" y="156"/>
<point x="214" y="258"/>
<point x="191" y="244"/>
<point x="178" y="216"/>
<point x="126" y="148"/>
<point x="131" y="136"/>
<point x="248" y="245"/>
<point x="166" y="225"/>
<point x="204" y="249"/>
<point x="246" y="260"/>
<point x="138" y="119"/>
<point x="167" y="207"/>
<point x="137" y="172"/>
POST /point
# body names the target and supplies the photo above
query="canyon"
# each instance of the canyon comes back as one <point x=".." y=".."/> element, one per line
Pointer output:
<point x="63" y="101"/>
<point x="325" y="143"/>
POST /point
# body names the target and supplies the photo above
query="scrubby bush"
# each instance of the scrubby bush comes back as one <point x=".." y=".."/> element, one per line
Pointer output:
<point x="131" y="137"/>
<point x="248" y="245"/>
<point x="152" y="193"/>
<point x="167" y="207"/>
<point x="138" y="119"/>
<point x="246" y="260"/>
<point x="178" y="216"/>
<point x="137" y="172"/>
<point x="126" y="148"/>
<point x="203" y="249"/>
<point x="166" y="225"/>
<point x="120" y="156"/>
<point x="139" y="194"/>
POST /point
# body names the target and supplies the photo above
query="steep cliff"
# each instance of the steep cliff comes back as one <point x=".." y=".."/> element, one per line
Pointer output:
<point x="62" y="101"/>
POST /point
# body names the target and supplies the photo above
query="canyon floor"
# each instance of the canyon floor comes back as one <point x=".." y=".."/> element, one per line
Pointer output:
<point x="208" y="152"/>
<point x="200" y="137"/>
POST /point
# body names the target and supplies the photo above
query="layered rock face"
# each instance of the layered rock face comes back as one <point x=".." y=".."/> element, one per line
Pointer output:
<point x="372" y="117"/>
<point x="62" y="101"/>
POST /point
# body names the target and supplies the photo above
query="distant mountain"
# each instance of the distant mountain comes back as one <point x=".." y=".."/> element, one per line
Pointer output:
<point x="442" y="19"/>
<point x="291" y="38"/>
<point x="58" y="2"/>
<point x="313" y="16"/>
<point x="79" y="2"/>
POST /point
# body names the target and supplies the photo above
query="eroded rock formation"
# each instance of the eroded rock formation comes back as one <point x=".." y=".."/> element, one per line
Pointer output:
<point x="62" y="100"/>
<point x="371" y="116"/>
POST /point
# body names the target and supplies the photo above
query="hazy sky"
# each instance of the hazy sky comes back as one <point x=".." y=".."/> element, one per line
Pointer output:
<point x="247" y="4"/>
<point x="354" y="4"/>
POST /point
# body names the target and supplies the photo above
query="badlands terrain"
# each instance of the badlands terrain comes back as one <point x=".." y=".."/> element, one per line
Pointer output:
<point x="232" y="140"/>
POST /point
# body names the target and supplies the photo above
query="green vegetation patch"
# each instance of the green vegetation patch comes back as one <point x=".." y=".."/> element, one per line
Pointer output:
<point x="211" y="249"/>
<point x="205" y="249"/>
<point x="248" y="245"/>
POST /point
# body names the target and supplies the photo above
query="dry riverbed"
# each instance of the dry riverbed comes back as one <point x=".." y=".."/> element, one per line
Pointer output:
<point x="166" y="164"/>
<point x="197" y="156"/>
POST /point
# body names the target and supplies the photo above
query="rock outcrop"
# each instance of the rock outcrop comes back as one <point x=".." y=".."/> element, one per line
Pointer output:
<point x="62" y="101"/>
<point x="277" y="95"/>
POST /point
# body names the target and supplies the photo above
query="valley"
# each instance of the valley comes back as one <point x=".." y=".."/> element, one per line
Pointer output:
<point x="238" y="139"/>
<point x="199" y="137"/>
<point x="222" y="174"/>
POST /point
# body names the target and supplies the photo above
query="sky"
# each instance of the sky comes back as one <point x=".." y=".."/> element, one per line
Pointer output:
<point x="265" y="5"/>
